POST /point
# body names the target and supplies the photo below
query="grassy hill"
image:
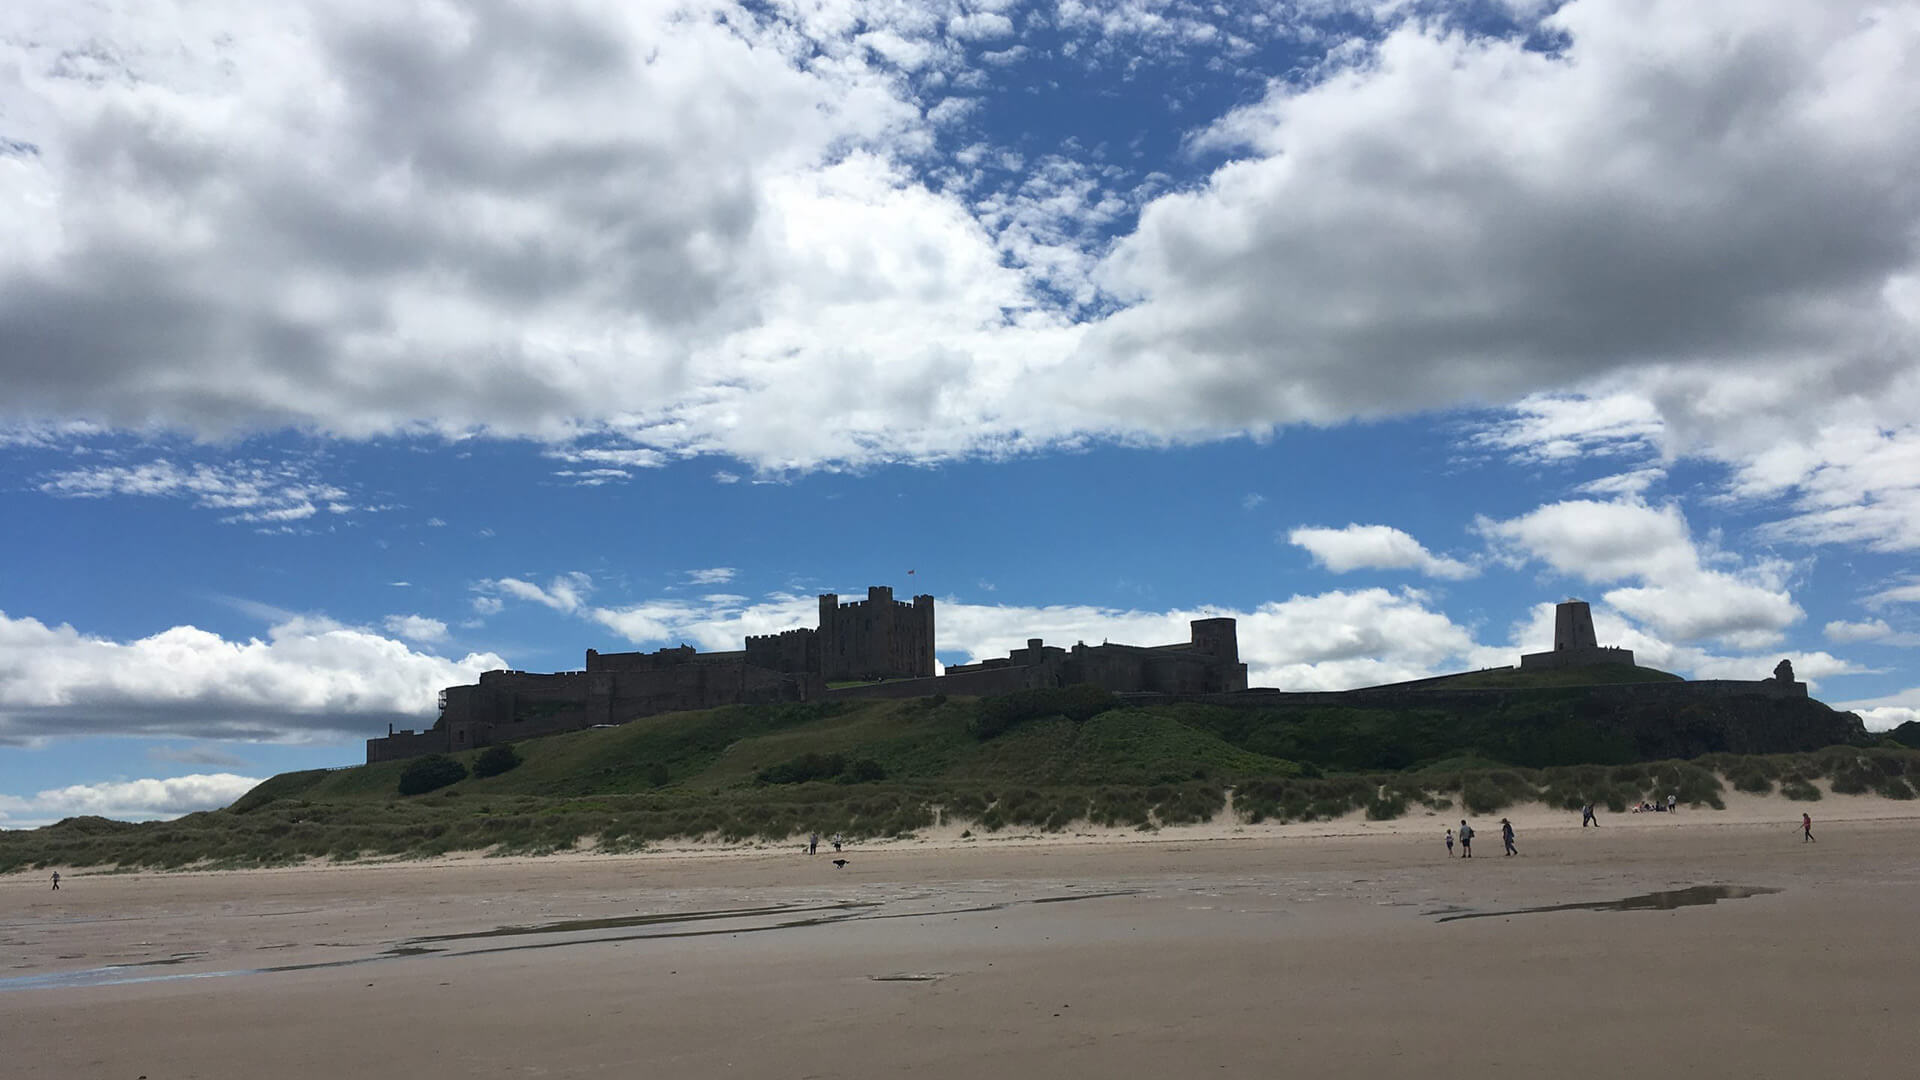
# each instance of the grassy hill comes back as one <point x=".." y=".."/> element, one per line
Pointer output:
<point x="1039" y="760"/>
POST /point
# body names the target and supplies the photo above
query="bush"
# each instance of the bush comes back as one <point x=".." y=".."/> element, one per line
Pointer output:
<point x="1076" y="703"/>
<point x="1482" y="796"/>
<point x="1894" y="787"/>
<point x="430" y="773"/>
<point x="495" y="760"/>
<point x="1799" y="790"/>
<point x="804" y="768"/>
<point x="864" y="771"/>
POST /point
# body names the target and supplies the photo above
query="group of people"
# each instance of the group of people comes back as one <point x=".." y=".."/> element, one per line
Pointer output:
<point x="1466" y="839"/>
<point x="813" y="842"/>
<point x="1673" y="805"/>
<point x="1587" y="817"/>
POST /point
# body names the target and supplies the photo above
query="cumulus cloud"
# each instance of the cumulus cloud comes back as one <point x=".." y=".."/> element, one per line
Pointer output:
<point x="1887" y="712"/>
<point x="416" y="627"/>
<point x="125" y="800"/>
<point x="309" y="679"/>
<point x="718" y="575"/>
<point x="1375" y="547"/>
<point x="1428" y="218"/>
<point x="1448" y="218"/>
<point x="1678" y="594"/>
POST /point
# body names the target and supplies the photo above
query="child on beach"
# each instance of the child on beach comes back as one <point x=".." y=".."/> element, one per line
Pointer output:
<point x="1449" y="843"/>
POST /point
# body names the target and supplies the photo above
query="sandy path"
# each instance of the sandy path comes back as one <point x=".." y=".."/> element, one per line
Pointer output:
<point x="1263" y="954"/>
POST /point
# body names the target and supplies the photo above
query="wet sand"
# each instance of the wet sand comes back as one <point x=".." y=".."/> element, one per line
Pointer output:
<point x="1702" y="944"/>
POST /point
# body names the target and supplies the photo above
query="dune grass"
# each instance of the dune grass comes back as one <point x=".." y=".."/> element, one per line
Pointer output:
<point x="762" y="773"/>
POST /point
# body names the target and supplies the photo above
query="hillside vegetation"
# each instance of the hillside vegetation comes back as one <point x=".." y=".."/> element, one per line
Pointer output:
<point x="1039" y="760"/>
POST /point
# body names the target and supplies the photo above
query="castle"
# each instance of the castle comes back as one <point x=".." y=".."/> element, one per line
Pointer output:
<point x="881" y="646"/>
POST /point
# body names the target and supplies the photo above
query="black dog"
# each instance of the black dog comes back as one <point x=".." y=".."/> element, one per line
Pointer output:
<point x="838" y="863"/>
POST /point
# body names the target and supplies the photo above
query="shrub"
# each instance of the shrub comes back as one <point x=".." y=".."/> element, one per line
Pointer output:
<point x="804" y="768"/>
<point x="1894" y="787"/>
<point x="864" y="771"/>
<point x="1077" y="703"/>
<point x="658" y="775"/>
<point x="1799" y="790"/>
<point x="495" y="760"/>
<point x="1482" y="796"/>
<point x="1389" y="805"/>
<point x="430" y="773"/>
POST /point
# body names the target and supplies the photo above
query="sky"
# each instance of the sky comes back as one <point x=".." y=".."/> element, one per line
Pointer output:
<point x="350" y="349"/>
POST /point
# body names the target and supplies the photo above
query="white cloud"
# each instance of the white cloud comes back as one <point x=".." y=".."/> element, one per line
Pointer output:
<point x="416" y="627"/>
<point x="1251" y="500"/>
<point x="718" y="575"/>
<point x="1848" y="633"/>
<point x="1449" y="219"/>
<point x="125" y="800"/>
<point x="566" y="592"/>
<point x="1564" y="427"/>
<point x="252" y="492"/>
<point x="1375" y="547"/>
<point x="1604" y="542"/>
<point x="1889" y="712"/>
<point x="1898" y="594"/>
<point x="308" y="679"/>
<point x="1428" y="219"/>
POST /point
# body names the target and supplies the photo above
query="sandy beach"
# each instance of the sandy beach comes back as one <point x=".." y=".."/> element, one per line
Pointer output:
<point x="1703" y="943"/>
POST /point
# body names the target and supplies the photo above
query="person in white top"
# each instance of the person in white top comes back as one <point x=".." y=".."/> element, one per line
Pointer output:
<point x="1671" y="799"/>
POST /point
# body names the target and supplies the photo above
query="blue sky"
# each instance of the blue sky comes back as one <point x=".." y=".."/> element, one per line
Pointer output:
<point x="353" y="349"/>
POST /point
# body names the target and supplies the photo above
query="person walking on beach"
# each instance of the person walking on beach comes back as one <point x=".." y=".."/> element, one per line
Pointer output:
<point x="1671" y="800"/>
<point x="1466" y="840"/>
<point x="1506" y="836"/>
<point x="813" y="843"/>
<point x="1449" y="843"/>
<point x="1806" y="828"/>
<point x="56" y="879"/>
<point x="1587" y="817"/>
<point x="836" y="841"/>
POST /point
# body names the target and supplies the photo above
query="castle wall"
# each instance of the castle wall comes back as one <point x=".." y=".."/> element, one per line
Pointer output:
<point x="406" y="744"/>
<point x="793" y="651"/>
<point x="1585" y="656"/>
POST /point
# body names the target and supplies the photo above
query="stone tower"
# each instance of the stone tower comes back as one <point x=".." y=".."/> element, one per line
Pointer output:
<point x="1573" y="627"/>
<point x="1574" y="643"/>
<point x="875" y="638"/>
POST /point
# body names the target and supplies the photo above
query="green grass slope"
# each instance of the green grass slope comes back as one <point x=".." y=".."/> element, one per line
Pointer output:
<point x="1035" y="760"/>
